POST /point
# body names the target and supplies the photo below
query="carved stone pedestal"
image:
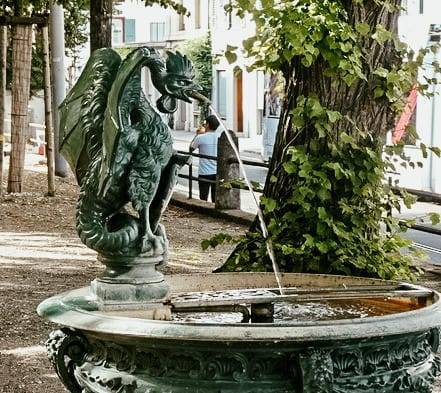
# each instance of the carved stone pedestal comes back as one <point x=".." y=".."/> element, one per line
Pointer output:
<point x="129" y="280"/>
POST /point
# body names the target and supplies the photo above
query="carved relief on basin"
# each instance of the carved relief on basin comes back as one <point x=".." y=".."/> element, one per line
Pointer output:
<point x="125" y="351"/>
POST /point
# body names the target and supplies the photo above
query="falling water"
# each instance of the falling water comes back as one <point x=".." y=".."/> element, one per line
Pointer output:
<point x="263" y="226"/>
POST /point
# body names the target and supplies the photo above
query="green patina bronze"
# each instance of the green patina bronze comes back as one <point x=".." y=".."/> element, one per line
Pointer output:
<point x="121" y="152"/>
<point x="124" y="352"/>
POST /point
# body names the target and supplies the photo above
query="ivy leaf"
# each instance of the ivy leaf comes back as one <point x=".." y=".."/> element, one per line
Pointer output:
<point x="423" y="148"/>
<point x="322" y="213"/>
<point x="382" y="72"/>
<point x="382" y="35"/>
<point x="378" y="92"/>
<point x="230" y="56"/>
<point x="249" y="42"/>
<point x="363" y="28"/>
<point x="409" y="200"/>
<point x="434" y="218"/>
<point x="216" y="240"/>
<point x="290" y="167"/>
<point x="333" y="116"/>
<point x="436" y="151"/>
<point x="269" y="204"/>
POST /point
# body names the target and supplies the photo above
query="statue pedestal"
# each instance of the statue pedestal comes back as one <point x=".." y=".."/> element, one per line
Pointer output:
<point x="130" y="280"/>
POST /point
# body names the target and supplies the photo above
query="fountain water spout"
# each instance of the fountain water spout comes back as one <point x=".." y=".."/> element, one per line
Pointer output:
<point x="269" y="246"/>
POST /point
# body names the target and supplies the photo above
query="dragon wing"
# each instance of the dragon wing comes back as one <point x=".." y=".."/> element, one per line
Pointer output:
<point x="82" y="111"/>
<point x="124" y="110"/>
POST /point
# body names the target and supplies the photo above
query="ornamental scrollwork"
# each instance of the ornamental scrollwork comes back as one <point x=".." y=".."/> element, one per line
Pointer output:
<point x="66" y="350"/>
<point x="404" y="363"/>
<point x="398" y="364"/>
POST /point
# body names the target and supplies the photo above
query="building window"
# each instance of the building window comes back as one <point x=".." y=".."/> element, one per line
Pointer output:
<point x="157" y="31"/>
<point x="117" y="31"/>
<point x="421" y="6"/>
<point x="197" y="14"/>
<point x="222" y="94"/>
<point x="129" y="30"/>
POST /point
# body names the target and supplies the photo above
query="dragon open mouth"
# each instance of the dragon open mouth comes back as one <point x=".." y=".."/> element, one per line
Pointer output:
<point x="197" y="96"/>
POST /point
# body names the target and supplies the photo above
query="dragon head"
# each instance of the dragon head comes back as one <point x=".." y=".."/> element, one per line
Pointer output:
<point x="176" y="83"/>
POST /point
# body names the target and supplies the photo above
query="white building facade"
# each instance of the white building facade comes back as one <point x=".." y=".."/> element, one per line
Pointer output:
<point x="136" y="25"/>
<point x="238" y="95"/>
<point x="417" y="27"/>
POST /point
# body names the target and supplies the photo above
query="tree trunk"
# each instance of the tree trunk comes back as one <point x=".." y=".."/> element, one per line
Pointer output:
<point x="3" y="54"/>
<point x="21" y="82"/>
<point x="49" y="131"/>
<point x="100" y="24"/>
<point x="355" y="101"/>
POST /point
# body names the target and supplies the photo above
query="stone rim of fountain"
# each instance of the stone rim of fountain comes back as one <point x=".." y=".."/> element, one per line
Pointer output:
<point x="78" y="310"/>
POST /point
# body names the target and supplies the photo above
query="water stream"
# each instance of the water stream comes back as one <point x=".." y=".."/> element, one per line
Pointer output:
<point x="263" y="226"/>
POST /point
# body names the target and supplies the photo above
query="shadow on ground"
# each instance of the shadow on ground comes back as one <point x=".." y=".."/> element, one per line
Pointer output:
<point x="40" y="255"/>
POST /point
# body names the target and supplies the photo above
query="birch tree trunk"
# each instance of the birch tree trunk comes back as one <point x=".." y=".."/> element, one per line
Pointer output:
<point x="3" y="50"/>
<point x="49" y="131"/>
<point x="21" y="82"/>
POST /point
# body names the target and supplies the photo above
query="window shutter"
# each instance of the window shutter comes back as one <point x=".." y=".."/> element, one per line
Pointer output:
<point x="129" y="30"/>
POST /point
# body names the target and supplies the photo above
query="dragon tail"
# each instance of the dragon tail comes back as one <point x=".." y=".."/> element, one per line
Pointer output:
<point x="117" y="235"/>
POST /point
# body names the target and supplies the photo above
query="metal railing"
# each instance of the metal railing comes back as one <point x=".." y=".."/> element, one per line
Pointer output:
<point x="418" y="227"/>
<point x="191" y="178"/>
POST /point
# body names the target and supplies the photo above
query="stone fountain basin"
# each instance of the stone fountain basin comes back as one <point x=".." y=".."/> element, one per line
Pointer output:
<point x="116" y="350"/>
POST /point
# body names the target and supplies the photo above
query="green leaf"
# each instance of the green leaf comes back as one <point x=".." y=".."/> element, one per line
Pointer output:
<point x="322" y="213"/>
<point x="333" y="116"/>
<point x="230" y="56"/>
<point x="434" y="218"/>
<point x="269" y="204"/>
<point x="378" y="92"/>
<point x="290" y="167"/>
<point x="363" y="28"/>
<point x="423" y="148"/>
<point x="436" y="151"/>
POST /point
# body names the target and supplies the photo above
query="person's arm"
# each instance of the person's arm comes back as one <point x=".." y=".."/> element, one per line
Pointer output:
<point x="194" y="143"/>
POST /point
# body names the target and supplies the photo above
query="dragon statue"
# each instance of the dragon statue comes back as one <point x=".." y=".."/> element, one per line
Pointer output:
<point x="121" y="150"/>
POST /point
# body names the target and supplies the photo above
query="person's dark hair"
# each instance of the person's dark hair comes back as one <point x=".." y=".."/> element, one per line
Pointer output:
<point x="212" y="122"/>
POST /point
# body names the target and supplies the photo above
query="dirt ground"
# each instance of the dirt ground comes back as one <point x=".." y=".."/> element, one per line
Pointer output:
<point x="40" y="255"/>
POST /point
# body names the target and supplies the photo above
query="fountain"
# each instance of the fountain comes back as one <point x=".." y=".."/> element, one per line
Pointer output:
<point x="132" y="331"/>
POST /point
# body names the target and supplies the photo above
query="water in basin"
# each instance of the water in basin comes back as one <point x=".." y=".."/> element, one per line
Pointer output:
<point x="289" y="312"/>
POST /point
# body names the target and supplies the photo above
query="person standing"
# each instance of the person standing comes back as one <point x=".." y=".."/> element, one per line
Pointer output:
<point x="207" y="145"/>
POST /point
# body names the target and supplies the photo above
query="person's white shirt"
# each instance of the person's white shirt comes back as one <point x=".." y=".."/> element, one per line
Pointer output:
<point x="207" y="145"/>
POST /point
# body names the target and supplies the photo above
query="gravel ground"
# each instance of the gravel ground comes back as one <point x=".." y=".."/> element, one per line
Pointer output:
<point x="40" y="255"/>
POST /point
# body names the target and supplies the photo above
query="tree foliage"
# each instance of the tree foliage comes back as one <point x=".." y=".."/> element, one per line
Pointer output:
<point x="174" y="4"/>
<point x="327" y="201"/>
<point x="198" y="50"/>
<point x="75" y="25"/>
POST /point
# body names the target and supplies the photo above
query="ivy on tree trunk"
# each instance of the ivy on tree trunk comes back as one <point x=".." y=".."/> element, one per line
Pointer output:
<point x="325" y="201"/>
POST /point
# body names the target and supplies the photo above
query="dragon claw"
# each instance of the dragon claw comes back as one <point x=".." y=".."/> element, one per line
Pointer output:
<point x="153" y="244"/>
